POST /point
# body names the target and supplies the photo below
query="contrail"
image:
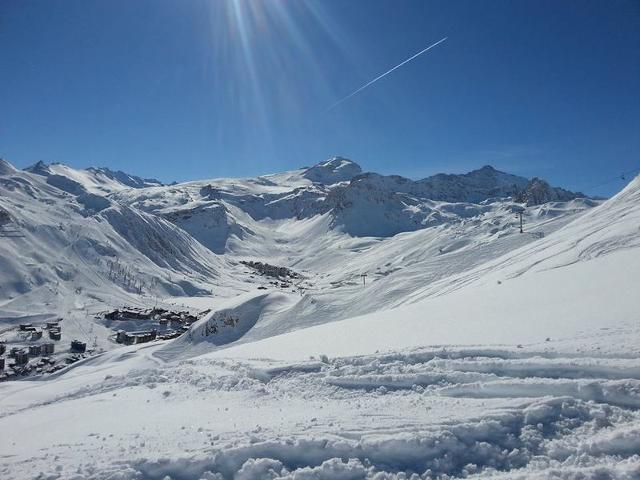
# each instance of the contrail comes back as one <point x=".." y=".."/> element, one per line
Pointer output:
<point x="385" y="74"/>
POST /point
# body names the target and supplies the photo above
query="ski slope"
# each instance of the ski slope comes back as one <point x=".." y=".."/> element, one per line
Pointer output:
<point x="582" y="279"/>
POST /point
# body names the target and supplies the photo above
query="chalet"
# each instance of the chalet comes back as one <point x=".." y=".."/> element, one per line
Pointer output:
<point x="78" y="346"/>
<point x="47" y="348"/>
<point x="35" y="350"/>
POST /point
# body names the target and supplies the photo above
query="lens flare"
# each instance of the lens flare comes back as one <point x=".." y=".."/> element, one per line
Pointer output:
<point x="264" y="61"/>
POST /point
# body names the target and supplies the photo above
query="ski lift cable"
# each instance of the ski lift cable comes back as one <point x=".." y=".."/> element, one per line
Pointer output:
<point x="622" y="176"/>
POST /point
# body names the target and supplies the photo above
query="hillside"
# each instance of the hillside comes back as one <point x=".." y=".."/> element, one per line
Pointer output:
<point x="515" y="357"/>
<point x="80" y="242"/>
<point x="469" y="349"/>
<point x="579" y="281"/>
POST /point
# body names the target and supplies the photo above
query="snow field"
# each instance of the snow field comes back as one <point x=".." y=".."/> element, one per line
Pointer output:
<point x="462" y="412"/>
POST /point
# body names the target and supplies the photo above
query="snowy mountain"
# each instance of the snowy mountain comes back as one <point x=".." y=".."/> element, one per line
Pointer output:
<point x="360" y="204"/>
<point x="334" y="170"/>
<point x="345" y="325"/>
<point x="124" y="178"/>
<point x="59" y="242"/>
<point x="187" y="239"/>
<point x="587" y="271"/>
<point x="94" y="180"/>
<point x="537" y="192"/>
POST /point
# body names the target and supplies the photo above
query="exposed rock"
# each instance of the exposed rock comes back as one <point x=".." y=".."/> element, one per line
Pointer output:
<point x="539" y="191"/>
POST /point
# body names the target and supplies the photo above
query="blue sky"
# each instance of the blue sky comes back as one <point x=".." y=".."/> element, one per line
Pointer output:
<point x="190" y="89"/>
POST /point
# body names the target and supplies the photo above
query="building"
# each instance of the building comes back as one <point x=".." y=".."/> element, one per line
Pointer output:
<point x="55" y="334"/>
<point x="36" y="334"/>
<point x="3" y="348"/>
<point x="125" y="337"/>
<point x="78" y="347"/>
<point x="21" y="357"/>
<point x="1" y="363"/>
<point x="26" y="327"/>
<point x="51" y="325"/>
<point x="147" y="336"/>
<point x="47" y="348"/>
<point x="35" y="350"/>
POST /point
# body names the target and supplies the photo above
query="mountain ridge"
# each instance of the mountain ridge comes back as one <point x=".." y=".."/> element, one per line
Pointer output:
<point x="474" y="186"/>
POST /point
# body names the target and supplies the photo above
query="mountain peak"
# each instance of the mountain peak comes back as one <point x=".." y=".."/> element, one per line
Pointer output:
<point x="538" y="191"/>
<point x="6" y="168"/>
<point x="487" y="170"/>
<point x="39" y="167"/>
<point x="335" y="169"/>
<point x="337" y="162"/>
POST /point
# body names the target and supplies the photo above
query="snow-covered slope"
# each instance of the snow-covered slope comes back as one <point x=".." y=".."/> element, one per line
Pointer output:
<point x="64" y="250"/>
<point x="95" y="180"/>
<point x="581" y="278"/>
<point x="506" y="356"/>
<point x="65" y="230"/>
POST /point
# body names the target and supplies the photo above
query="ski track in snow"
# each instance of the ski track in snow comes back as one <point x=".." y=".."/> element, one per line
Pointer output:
<point x="470" y="412"/>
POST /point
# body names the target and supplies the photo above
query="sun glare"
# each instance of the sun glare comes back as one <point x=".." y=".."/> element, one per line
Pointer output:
<point x="264" y="56"/>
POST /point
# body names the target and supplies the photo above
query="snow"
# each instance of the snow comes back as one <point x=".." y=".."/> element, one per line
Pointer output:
<point x="412" y="412"/>
<point x="334" y="170"/>
<point x="471" y="351"/>
<point x="519" y="311"/>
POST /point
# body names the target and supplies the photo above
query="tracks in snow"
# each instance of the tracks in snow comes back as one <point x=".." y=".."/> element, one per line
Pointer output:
<point x="463" y="412"/>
